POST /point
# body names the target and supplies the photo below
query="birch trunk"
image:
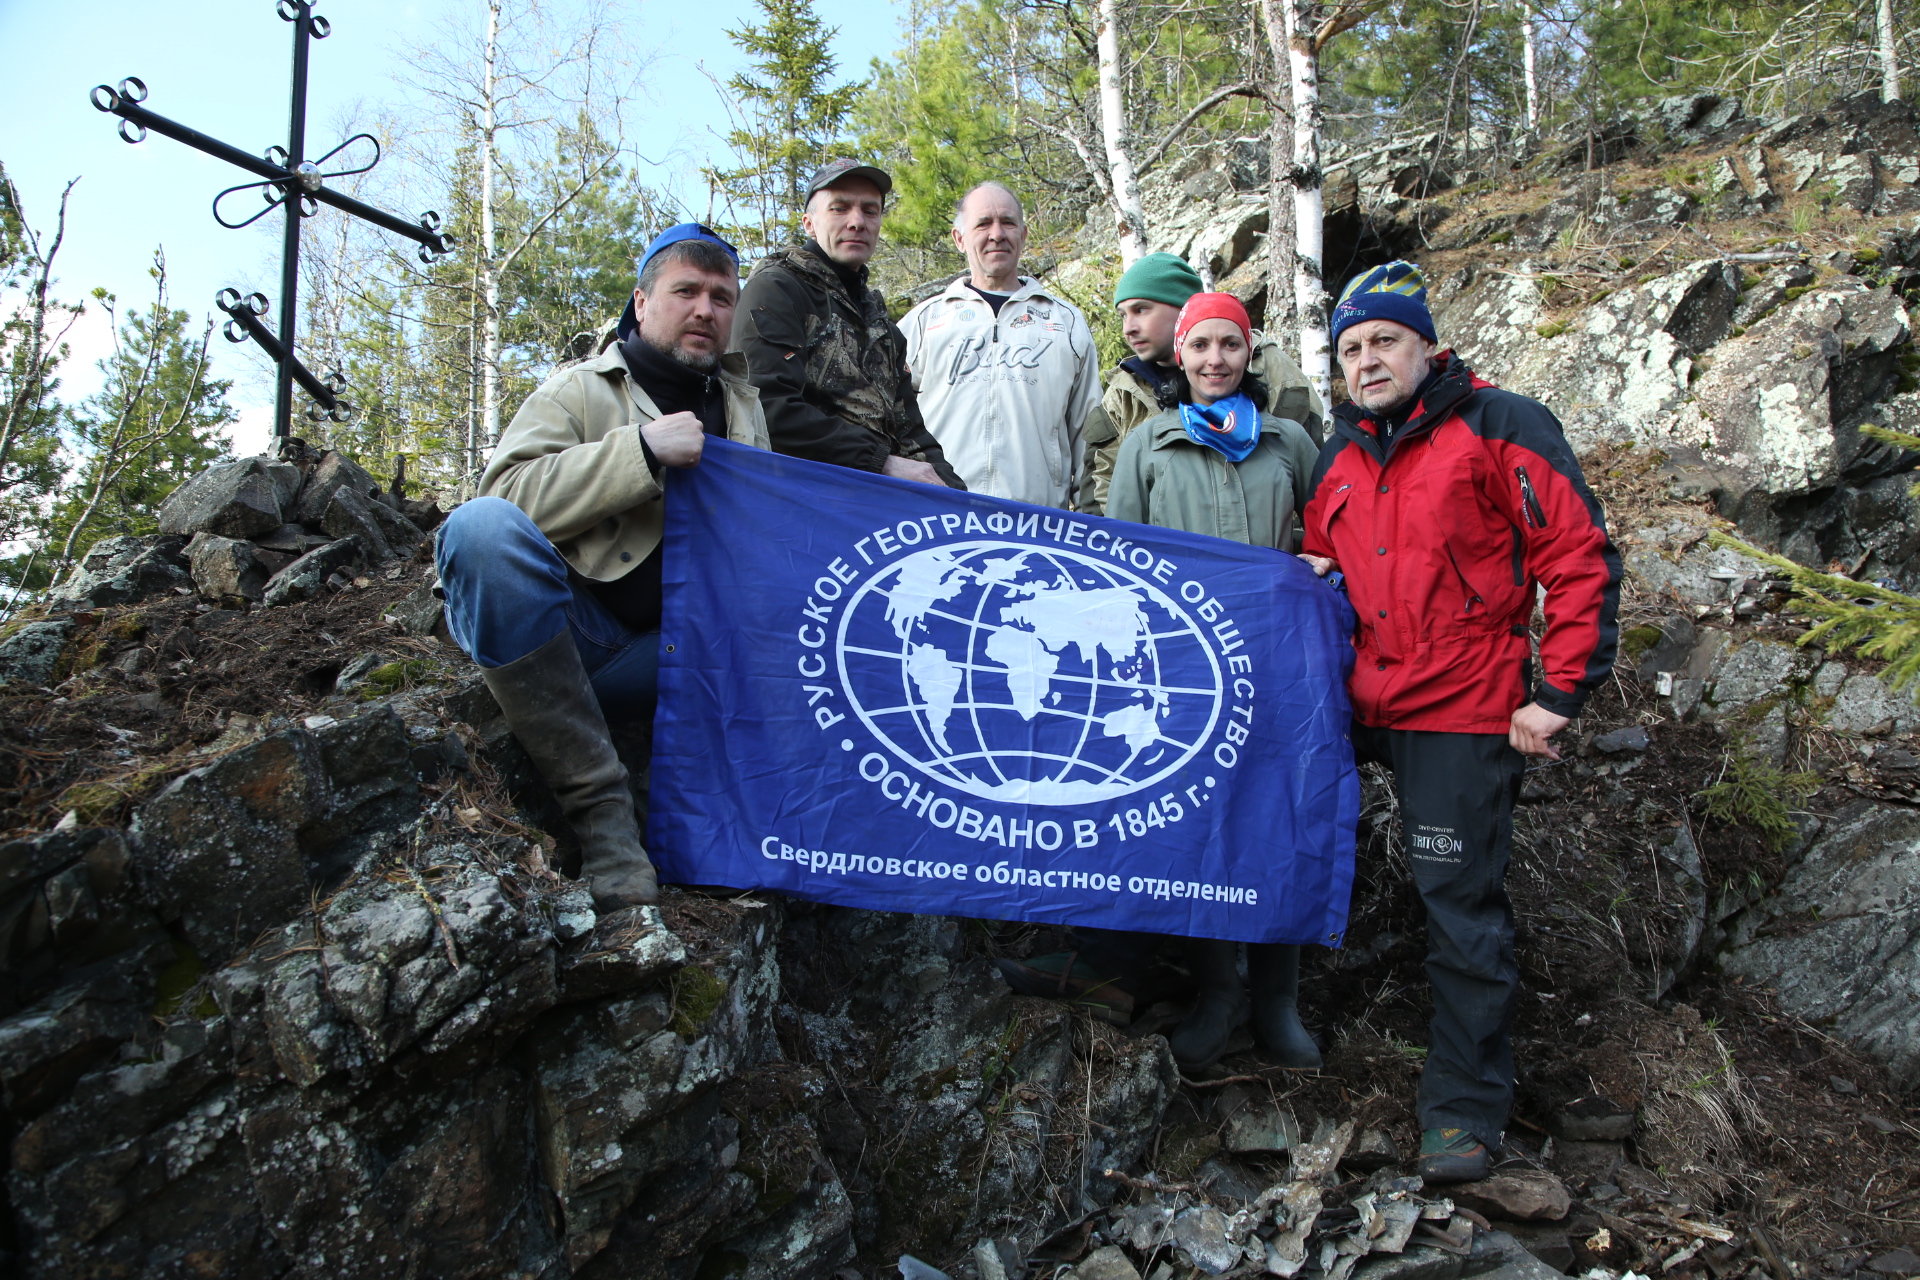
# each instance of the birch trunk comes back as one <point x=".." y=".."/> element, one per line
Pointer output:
<point x="1528" y="64"/>
<point x="1280" y="317"/>
<point x="1309" y="289"/>
<point x="1129" y="221"/>
<point x="489" y="271"/>
<point x="1889" y="56"/>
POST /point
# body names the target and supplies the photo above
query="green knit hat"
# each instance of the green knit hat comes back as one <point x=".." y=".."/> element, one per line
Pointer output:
<point x="1158" y="277"/>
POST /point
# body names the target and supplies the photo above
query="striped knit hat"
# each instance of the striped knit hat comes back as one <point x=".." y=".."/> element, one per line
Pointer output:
<point x="1394" y="292"/>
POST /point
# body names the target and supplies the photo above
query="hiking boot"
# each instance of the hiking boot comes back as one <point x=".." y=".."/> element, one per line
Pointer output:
<point x="1452" y="1155"/>
<point x="549" y="704"/>
<point x="1273" y="973"/>
<point x="1064" y="975"/>
<point x="1202" y="1037"/>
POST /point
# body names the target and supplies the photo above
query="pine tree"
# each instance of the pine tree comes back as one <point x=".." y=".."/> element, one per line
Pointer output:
<point x="788" y="121"/>
<point x="156" y="421"/>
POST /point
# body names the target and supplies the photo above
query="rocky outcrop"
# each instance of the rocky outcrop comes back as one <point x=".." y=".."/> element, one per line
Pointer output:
<point x="317" y="1012"/>
<point x="257" y="531"/>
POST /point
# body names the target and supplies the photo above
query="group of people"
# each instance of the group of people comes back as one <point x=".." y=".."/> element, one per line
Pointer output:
<point x="1447" y="507"/>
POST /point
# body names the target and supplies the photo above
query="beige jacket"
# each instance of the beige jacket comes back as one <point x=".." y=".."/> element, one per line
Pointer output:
<point x="1129" y="401"/>
<point x="571" y="460"/>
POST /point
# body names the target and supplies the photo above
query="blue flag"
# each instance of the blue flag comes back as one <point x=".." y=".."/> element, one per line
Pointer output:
<point x="907" y="698"/>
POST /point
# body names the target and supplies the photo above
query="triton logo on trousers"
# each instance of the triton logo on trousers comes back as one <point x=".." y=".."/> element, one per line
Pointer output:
<point x="1435" y="844"/>
<point x="1079" y="672"/>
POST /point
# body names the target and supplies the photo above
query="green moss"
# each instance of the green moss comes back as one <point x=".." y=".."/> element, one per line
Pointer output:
<point x="177" y="981"/>
<point x="1799" y="291"/>
<point x="1554" y="329"/>
<point x="696" y="994"/>
<point x="99" y="646"/>
<point x="98" y="802"/>
<point x="1637" y="641"/>
<point x="722" y="1264"/>
<point x="385" y="681"/>
<point x="1183" y="1149"/>
<point x="1500" y="237"/>
<point x="1866" y="257"/>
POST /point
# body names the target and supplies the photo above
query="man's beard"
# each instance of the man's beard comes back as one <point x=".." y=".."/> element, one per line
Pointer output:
<point x="679" y="355"/>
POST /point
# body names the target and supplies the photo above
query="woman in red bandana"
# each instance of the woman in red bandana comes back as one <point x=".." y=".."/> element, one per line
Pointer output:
<point x="1212" y="463"/>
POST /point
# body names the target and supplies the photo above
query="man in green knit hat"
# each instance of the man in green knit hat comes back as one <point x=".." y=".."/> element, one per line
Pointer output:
<point x="1149" y="296"/>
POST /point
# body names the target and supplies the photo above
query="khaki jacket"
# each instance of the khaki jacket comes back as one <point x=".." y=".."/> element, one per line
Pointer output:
<point x="1129" y="401"/>
<point x="1006" y="395"/>
<point x="1164" y="478"/>
<point x="571" y="459"/>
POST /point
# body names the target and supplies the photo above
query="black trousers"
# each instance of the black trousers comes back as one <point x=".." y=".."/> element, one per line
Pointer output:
<point x="1456" y="794"/>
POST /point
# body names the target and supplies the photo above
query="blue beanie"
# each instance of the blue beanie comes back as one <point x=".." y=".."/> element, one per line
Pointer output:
<point x="1394" y="292"/>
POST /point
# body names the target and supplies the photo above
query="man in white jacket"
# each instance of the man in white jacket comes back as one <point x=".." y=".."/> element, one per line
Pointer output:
<point x="1005" y="368"/>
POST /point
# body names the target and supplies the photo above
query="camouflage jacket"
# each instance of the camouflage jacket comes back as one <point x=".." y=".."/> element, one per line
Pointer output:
<point x="830" y="366"/>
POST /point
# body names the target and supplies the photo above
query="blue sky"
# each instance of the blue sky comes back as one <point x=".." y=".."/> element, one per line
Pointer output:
<point x="222" y="66"/>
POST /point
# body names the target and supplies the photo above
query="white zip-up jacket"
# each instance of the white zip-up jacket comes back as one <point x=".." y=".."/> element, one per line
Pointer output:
<point x="1006" y="396"/>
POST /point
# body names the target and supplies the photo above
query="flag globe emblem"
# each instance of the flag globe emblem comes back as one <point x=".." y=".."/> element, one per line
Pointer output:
<point x="1028" y="675"/>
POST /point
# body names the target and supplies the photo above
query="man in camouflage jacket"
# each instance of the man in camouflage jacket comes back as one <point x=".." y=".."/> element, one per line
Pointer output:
<point x="830" y="366"/>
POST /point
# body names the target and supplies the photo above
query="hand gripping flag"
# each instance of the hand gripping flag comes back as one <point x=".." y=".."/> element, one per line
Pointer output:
<point x="907" y="698"/>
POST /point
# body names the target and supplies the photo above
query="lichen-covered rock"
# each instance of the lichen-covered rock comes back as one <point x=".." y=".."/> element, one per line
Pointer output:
<point x="304" y="578"/>
<point x="623" y="1085"/>
<point x="124" y="569"/>
<point x="424" y="964"/>
<point x="31" y="655"/>
<point x="1781" y="402"/>
<point x="242" y="844"/>
<point x="334" y="472"/>
<point x="350" y="515"/>
<point x="1864" y="705"/>
<point x="224" y="567"/>
<point x="1618" y="371"/>
<point x="236" y="499"/>
<point x="1751" y="673"/>
<point x="1837" y="940"/>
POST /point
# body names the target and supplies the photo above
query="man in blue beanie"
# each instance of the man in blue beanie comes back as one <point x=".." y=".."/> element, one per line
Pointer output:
<point x="1449" y="505"/>
<point x="552" y="576"/>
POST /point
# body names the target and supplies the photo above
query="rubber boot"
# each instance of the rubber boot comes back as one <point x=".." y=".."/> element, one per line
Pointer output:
<point x="551" y="708"/>
<point x="1201" y="1039"/>
<point x="1273" y="972"/>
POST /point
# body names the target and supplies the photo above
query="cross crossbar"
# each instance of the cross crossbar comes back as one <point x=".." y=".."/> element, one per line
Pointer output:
<point x="292" y="181"/>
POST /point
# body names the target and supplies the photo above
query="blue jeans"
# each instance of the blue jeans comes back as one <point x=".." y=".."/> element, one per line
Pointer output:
<point x="508" y="593"/>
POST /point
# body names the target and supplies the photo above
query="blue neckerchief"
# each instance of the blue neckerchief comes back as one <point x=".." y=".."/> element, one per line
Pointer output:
<point x="1232" y="425"/>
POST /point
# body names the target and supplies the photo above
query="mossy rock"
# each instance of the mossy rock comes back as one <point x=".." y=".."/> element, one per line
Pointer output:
<point x="697" y="993"/>
<point x="1183" y="1150"/>
<point x="1555" y="329"/>
<point x="393" y="677"/>
<point x="1637" y="641"/>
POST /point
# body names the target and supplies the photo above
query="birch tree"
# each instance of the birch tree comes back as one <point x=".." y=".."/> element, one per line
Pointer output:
<point x="1529" y="67"/>
<point x="1889" y="53"/>
<point x="1123" y="186"/>
<point x="513" y="90"/>
<point x="1307" y="27"/>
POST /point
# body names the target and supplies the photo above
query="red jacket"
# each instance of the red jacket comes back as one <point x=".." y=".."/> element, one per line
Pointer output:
<point x="1443" y="539"/>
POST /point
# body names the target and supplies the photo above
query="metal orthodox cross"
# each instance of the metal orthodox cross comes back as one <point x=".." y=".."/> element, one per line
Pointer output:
<point x="289" y="180"/>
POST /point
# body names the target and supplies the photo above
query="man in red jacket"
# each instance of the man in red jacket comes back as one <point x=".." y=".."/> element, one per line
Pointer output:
<point x="1449" y="505"/>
